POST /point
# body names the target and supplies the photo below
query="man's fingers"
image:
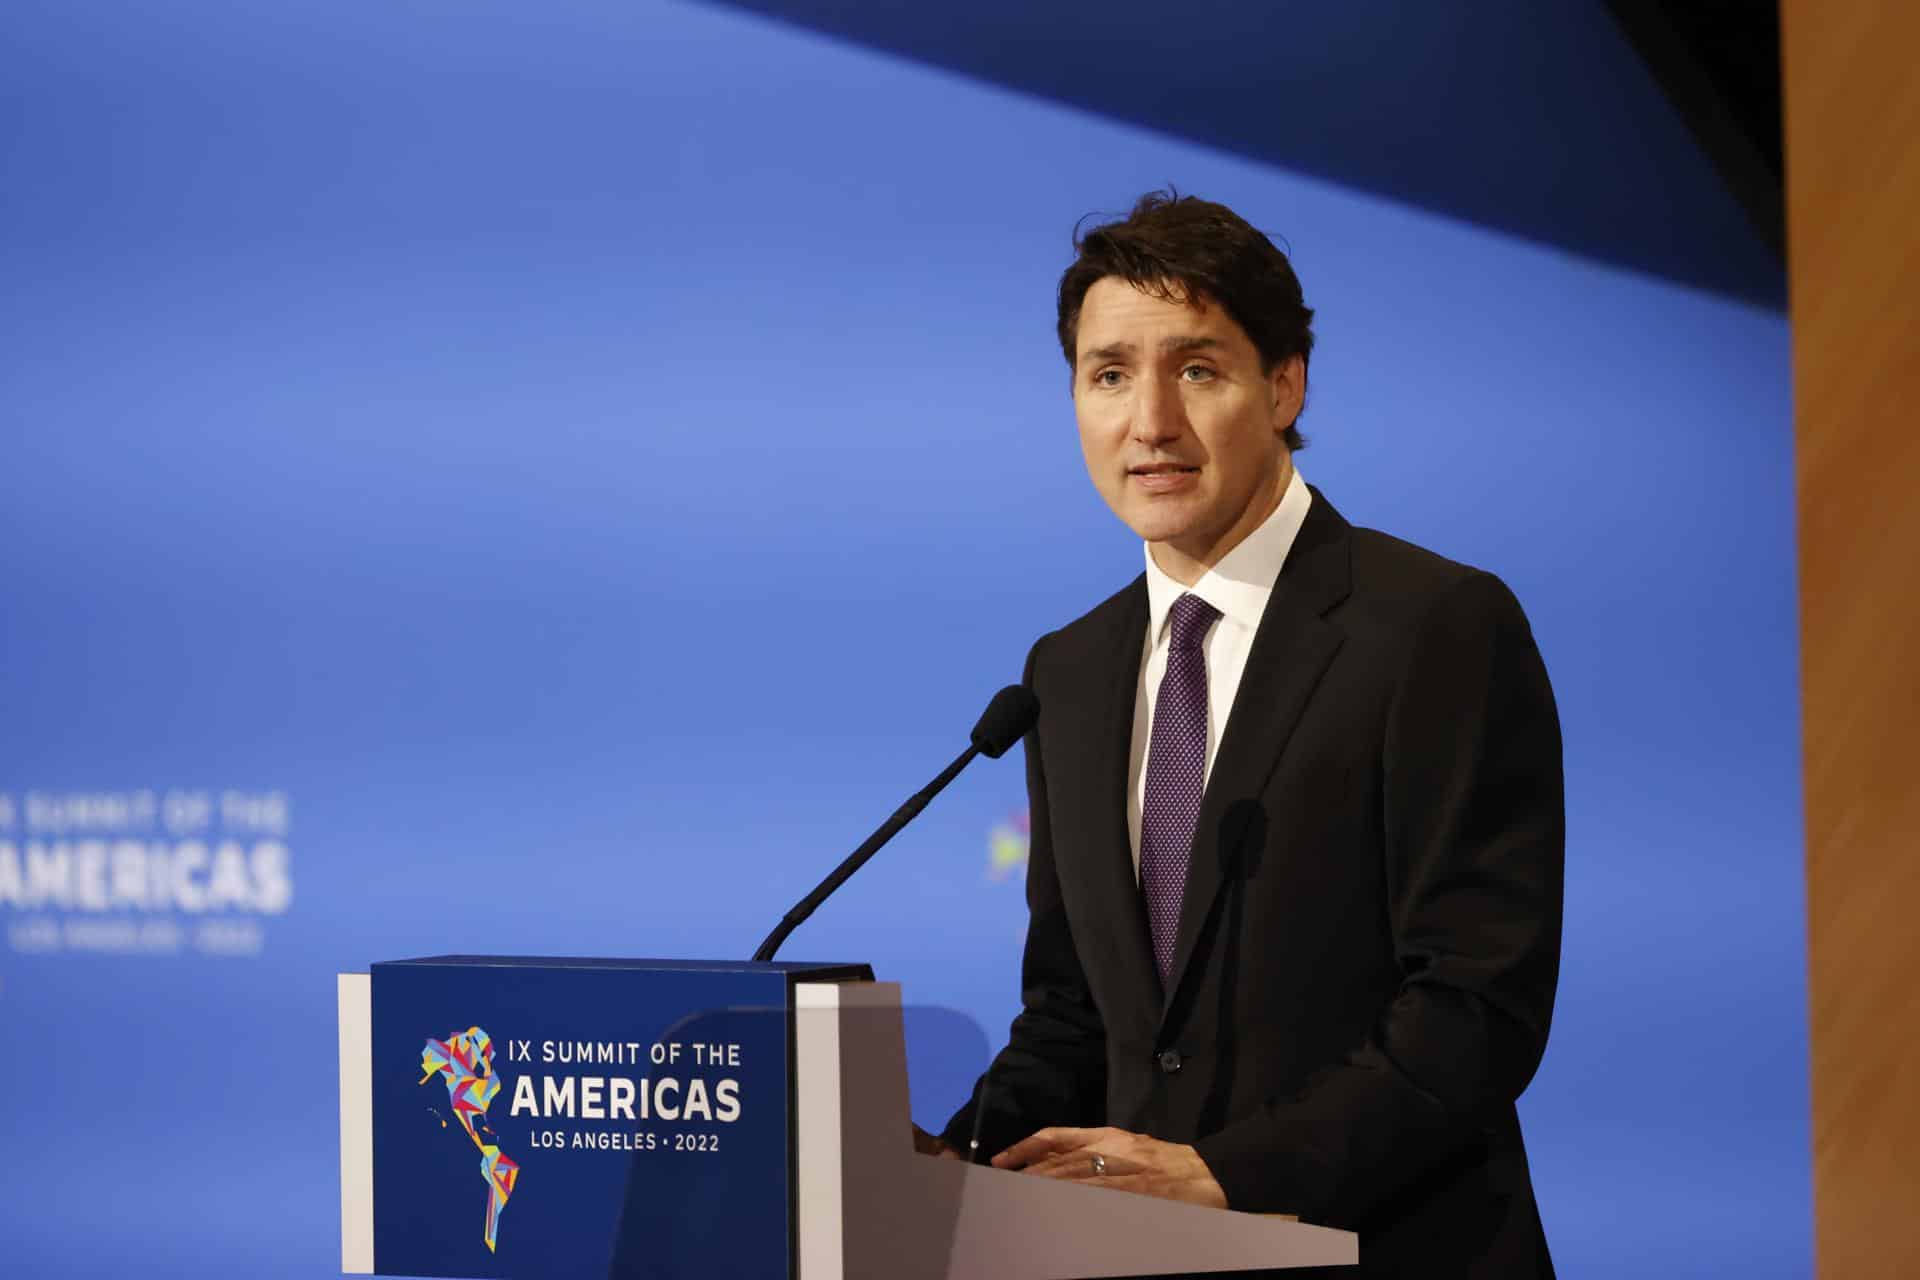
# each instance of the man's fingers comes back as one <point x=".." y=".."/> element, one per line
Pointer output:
<point x="1128" y="1177"/>
<point x="1040" y="1145"/>
<point x="1059" y="1164"/>
<point x="1081" y="1166"/>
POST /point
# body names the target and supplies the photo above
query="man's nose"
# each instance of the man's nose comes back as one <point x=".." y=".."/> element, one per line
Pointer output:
<point x="1160" y="415"/>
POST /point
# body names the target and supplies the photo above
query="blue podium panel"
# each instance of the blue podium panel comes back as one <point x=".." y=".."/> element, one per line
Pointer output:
<point x="560" y="1118"/>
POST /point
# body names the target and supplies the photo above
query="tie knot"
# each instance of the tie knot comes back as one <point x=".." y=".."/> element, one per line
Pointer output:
<point x="1190" y="617"/>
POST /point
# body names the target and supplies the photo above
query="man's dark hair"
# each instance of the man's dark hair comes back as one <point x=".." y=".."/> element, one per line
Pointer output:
<point x="1181" y="247"/>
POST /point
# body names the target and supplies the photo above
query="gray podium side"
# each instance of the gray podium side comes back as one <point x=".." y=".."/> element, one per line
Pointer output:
<point x="870" y="1207"/>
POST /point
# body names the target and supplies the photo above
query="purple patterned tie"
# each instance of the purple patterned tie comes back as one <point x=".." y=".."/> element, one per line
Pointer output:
<point x="1176" y="774"/>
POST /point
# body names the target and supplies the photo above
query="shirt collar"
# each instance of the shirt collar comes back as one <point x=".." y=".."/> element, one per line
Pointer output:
<point x="1240" y="584"/>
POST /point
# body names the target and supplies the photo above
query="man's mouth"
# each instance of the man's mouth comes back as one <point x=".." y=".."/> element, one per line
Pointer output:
<point x="1163" y="479"/>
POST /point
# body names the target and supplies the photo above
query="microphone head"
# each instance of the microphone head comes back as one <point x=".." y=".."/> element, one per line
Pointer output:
<point x="1005" y="721"/>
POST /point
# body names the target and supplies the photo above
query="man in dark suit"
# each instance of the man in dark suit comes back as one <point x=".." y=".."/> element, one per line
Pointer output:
<point x="1297" y="819"/>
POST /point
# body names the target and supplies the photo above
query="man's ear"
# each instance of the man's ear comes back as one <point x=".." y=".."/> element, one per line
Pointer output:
<point x="1288" y="382"/>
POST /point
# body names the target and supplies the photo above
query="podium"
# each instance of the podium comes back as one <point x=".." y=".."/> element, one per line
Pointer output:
<point x="550" y="1118"/>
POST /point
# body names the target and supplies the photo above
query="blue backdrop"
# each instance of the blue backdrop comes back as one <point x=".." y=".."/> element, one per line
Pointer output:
<point x="478" y="480"/>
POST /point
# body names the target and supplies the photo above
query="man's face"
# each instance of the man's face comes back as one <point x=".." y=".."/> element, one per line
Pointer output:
<point x="1182" y="431"/>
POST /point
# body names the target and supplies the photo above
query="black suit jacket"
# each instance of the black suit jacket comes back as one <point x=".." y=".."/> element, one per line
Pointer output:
<point x="1369" y="938"/>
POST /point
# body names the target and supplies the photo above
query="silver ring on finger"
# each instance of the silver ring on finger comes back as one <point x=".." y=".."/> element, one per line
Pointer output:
<point x="1099" y="1165"/>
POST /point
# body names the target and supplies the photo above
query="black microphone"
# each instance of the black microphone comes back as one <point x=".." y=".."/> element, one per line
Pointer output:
<point x="1004" y="722"/>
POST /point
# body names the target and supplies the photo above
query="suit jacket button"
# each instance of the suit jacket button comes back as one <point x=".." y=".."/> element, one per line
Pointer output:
<point x="1170" y="1061"/>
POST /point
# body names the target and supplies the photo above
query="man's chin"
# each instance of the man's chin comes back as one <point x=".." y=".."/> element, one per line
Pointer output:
<point x="1160" y="526"/>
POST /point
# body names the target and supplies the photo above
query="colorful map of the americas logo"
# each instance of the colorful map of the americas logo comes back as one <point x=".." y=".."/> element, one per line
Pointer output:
<point x="465" y="1058"/>
<point x="1007" y="846"/>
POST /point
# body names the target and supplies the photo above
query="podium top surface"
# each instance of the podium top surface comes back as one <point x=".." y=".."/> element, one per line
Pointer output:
<point x="798" y="968"/>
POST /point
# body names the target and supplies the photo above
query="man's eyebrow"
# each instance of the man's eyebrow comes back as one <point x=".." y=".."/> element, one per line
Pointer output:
<point x="1194" y="343"/>
<point x="1121" y="350"/>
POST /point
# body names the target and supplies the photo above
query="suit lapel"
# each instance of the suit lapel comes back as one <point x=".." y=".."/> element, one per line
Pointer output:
<point x="1291" y="649"/>
<point x="1111" y="678"/>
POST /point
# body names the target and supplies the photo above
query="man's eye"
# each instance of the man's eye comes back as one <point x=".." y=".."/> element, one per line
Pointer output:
<point x="1107" y="378"/>
<point x="1197" y="373"/>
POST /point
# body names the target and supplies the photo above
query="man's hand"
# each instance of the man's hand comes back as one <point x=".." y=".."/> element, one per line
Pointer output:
<point x="928" y="1144"/>
<point x="1127" y="1162"/>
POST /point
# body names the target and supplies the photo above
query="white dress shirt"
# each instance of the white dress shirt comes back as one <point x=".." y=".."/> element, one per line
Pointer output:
<point x="1238" y="586"/>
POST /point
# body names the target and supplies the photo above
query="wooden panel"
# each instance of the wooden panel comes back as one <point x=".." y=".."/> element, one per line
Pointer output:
<point x="1853" y="216"/>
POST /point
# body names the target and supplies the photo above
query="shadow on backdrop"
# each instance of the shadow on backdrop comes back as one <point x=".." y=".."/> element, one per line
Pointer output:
<point x="1539" y="121"/>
